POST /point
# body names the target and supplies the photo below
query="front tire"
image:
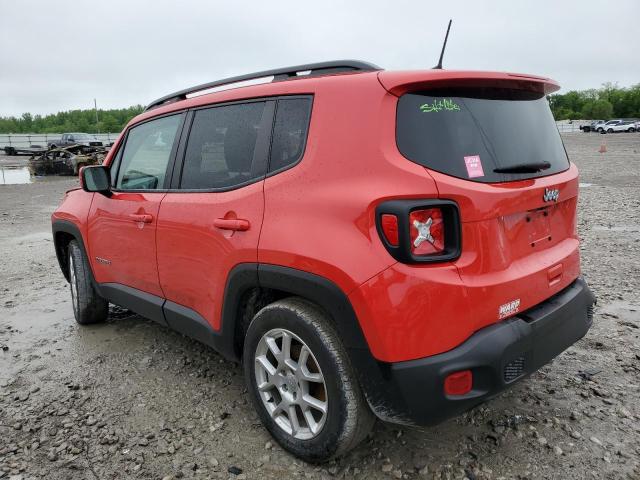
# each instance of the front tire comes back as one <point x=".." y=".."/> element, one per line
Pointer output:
<point x="302" y="383"/>
<point x="88" y="306"/>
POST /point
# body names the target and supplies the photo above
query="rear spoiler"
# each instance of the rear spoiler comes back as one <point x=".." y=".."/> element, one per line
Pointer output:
<point x="399" y="83"/>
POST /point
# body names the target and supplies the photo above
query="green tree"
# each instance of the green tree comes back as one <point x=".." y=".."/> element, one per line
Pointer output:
<point x="112" y="121"/>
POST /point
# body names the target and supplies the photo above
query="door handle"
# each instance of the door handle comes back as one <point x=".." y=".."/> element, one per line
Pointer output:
<point x="232" y="224"/>
<point x="141" y="217"/>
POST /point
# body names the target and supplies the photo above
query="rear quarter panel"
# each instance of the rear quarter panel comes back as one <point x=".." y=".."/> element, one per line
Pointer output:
<point x="319" y="215"/>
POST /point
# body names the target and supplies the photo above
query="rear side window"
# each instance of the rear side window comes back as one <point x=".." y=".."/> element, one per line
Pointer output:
<point x="471" y="133"/>
<point x="146" y="154"/>
<point x="222" y="145"/>
<point x="289" y="132"/>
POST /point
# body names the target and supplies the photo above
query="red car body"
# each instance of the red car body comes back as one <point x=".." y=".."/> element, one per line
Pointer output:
<point x="319" y="217"/>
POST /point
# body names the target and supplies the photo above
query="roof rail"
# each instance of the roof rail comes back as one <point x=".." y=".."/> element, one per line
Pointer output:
<point x="322" y="68"/>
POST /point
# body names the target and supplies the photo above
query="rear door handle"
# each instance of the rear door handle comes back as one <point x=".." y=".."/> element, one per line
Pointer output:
<point x="232" y="224"/>
<point x="141" y="217"/>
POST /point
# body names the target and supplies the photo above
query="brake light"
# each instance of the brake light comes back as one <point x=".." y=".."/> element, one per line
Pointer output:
<point x="420" y="231"/>
<point x="458" y="383"/>
<point x="426" y="229"/>
<point x="390" y="228"/>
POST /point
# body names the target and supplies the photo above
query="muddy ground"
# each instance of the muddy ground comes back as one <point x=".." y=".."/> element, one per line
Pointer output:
<point x="131" y="399"/>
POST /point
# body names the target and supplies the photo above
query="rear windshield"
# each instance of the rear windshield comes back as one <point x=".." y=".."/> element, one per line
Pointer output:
<point x="470" y="133"/>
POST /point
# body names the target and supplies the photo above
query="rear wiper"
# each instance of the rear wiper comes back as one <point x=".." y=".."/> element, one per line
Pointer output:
<point x="532" y="167"/>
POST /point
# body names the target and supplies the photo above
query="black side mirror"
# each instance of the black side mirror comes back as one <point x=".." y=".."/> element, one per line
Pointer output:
<point x="95" y="179"/>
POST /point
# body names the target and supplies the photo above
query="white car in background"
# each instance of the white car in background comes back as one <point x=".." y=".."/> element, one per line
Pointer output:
<point x="622" y="127"/>
<point x="602" y="127"/>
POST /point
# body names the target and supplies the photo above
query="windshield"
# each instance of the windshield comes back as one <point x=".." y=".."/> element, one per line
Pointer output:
<point x="471" y="133"/>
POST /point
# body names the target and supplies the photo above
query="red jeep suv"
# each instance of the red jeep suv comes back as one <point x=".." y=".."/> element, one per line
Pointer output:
<point x="399" y="245"/>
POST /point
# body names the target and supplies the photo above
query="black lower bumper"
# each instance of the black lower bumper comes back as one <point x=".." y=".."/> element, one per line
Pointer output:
<point x="412" y="392"/>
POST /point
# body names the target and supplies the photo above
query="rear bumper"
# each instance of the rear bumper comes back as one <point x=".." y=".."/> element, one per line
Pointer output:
<point x="412" y="392"/>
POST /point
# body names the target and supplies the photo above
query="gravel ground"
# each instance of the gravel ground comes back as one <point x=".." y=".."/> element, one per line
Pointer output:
<point x="131" y="399"/>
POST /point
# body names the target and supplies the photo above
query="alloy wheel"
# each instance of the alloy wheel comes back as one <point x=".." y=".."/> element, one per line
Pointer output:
<point x="291" y="384"/>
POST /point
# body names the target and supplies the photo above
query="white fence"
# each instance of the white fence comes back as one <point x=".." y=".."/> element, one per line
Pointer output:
<point x="26" y="140"/>
<point x="565" y="127"/>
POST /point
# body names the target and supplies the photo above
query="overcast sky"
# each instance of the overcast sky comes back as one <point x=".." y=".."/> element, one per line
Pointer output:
<point x="59" y="55"/>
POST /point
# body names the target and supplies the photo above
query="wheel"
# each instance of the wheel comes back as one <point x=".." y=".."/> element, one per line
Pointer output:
<point x="601" y="130"/>
<point x="302" y="383"/>
<point x="77" y="168"/>
<point x="631" y="130"/>
<point x="88" y="306"/>
<point x="609" y="130"/>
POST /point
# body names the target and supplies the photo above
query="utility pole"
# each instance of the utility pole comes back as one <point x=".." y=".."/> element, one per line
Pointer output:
<point x="95" y="106"/>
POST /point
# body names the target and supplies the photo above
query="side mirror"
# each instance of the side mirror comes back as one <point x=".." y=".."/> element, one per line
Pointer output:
<point x="95" y="179"/>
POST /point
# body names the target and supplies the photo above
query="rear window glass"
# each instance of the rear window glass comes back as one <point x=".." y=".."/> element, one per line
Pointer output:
<point x="471" y="133"/>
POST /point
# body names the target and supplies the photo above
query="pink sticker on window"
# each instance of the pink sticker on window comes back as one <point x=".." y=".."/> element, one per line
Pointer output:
<point x="474" y="166"/>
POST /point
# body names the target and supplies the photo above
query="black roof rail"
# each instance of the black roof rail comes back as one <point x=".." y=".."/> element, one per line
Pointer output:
<point x="278" y="74"/>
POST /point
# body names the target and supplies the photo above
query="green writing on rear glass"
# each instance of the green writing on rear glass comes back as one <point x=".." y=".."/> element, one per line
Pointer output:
<point x="439" y="105"/>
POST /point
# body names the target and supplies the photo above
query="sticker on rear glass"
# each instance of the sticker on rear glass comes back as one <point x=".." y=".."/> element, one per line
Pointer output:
<point x="439" y="105"/>
<point x="474" y="166"/>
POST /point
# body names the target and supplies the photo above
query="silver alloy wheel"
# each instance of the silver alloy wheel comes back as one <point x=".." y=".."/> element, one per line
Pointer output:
<point x="72" y="282"/>
<point x="291" y="384"/>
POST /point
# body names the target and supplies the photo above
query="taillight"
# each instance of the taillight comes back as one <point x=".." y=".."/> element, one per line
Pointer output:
<point x="390" y="228"/>
<point x="419" y="231"/>
<point x="426" y="229"/>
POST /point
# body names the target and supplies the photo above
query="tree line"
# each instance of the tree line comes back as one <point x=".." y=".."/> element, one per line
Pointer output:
<point x="109" y="121"/>
<point x="604" y="103"/>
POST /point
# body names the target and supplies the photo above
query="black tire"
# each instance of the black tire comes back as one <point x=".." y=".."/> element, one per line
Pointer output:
<point x="610" y="130"/>
<point x="631" y="130"/>
<point x="601" y="130"/>
<point x="348" y="417"/>
<point x="88" y="306"/>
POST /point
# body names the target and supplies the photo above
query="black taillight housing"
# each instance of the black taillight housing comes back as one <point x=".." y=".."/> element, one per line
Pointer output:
<point x="427" y="230"/>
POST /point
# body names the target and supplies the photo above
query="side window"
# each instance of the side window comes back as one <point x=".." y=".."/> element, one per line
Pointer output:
<point x="221" y="149"/>
<point x="146" y="154"/>
<point x="289" y="132"/>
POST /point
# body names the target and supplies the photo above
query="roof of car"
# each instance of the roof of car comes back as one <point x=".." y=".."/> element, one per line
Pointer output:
<point x="306" y="76"/>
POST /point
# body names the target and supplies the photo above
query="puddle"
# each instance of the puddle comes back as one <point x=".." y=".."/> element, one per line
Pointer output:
<point x="14" y="175"/>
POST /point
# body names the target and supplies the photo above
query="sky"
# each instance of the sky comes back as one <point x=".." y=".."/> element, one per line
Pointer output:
<point x="61" y="54"/>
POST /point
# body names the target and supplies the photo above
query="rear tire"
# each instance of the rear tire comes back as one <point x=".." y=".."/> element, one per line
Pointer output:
<point x="304" y="388"/>
<point x="88" y="306"/>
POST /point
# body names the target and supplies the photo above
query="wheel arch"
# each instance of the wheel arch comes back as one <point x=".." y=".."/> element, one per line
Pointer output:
<point x="253" y="286"/>
<point x="63" y="233"/>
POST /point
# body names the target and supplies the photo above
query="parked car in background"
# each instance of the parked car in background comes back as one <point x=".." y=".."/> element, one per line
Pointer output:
<point x="68" y="139"/>
<point x="629" y="126"/>
<point x="591" y="127"/>
<point x="603" y="126"/>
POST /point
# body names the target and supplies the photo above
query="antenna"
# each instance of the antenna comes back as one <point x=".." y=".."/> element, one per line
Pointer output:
<point x="446" y="37"/>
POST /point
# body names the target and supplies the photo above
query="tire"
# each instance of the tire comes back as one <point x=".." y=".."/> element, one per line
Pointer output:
<point x="610" y="130"/>
<point x="631" y="130"/>
<point x="88" y="306"/>
<point x="326" y="375"/>
<point x="77" y="168"/>
<point x="601" y="130"/>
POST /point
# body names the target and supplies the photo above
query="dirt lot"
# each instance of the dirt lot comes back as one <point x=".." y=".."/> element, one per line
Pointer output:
<point x="130" y="399"/>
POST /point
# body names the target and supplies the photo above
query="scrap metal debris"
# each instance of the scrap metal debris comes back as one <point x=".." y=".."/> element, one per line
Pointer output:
<point x="65" y="160"/>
